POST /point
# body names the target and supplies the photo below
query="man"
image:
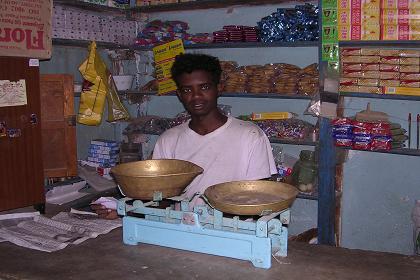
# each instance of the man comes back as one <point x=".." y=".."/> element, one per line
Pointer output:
<point x="226" y="148"/>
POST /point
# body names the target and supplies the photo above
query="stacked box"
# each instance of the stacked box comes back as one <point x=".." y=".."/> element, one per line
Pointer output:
<point x="78" y="24"/>
<point x="373" y="70"/>
<point x="378" y="20"/>
<point x="103" y="153"/>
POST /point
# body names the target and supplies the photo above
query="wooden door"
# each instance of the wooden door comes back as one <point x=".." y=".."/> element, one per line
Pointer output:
<point x="21" y="180"/>
<point x="58" y="126"/>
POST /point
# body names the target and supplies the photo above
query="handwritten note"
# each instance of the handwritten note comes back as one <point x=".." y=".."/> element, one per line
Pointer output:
<point x="12" y="93"/>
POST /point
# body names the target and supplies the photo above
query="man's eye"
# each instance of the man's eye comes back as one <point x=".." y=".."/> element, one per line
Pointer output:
<point x="205" y="87"/>
<point x="185" y="91"/>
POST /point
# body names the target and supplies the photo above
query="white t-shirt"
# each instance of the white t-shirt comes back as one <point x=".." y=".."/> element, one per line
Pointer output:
<point x="238" y="150"/>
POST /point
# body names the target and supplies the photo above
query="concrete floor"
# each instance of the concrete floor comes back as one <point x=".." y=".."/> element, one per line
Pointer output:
<point x="106" y="257"/>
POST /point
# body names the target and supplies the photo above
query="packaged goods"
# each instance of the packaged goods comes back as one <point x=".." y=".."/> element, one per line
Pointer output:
<point x="400" y="4"/>
<point x="368" y="82"/>
<point x="409" y="53"/>
<point x="410" y="60"/>
<point x="353" y="88"/>
<point x="271" y="116"/>
<point x="359" y="4"/>
<point x="411" y="84"/>
<point x="358" y="17"/>
<point x="369" y="51"/>
<point x="400" y="16"/>
<point x="371" y="74"/>
<point x="351" y="51"/>
<point x="401" y="90"/>
<point x="351" y="66"/>
<point x="359" y="32"/>
<point x="389" y="75"/>
<point x="389" y="67"/>
<point x="389" y="83"/>
<point x="395" y="60"/>
<point x="400" y="32"/>
<point x="410" y="76"/>
<point x="409" y="69"/>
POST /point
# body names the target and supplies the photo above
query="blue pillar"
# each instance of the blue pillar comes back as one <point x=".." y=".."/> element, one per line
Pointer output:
<point x="326" y="184"/>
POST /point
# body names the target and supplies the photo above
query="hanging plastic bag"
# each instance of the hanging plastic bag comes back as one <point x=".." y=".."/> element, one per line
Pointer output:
<point x="97" y="86"/>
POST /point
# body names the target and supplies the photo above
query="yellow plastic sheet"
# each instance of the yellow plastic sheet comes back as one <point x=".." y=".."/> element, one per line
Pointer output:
<point x="98" y="85"/>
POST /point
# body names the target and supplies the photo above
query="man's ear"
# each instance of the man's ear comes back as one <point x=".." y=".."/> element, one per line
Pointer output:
<point x="220" y="87"/>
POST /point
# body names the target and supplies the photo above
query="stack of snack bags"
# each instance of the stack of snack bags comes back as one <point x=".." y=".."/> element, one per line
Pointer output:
<point x="373" y="70"/>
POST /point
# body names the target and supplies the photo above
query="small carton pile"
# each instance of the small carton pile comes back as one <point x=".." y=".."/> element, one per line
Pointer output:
<point x="103" y="153"/>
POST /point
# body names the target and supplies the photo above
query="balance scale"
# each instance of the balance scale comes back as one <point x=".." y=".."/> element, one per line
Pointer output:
<point x="205" y="230"/>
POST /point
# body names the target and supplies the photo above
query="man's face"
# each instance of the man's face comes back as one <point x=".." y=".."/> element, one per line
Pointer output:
<point x="198" y="93"/>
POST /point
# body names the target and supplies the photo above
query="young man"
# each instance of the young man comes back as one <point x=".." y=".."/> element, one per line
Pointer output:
<point x="226" y="148"/>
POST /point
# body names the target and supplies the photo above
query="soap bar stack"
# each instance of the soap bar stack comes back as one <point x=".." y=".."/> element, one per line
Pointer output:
<point x="103" y="153"/>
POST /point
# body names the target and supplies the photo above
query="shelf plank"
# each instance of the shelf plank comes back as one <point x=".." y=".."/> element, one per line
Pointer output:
<point x="85" y="44"/>
<point x="88" y="6"/>
<point x="403" y="151"/>
<point x="227" y="94"/>
<point x="393" y="44"/>
<point x="303" y="142"/>
<point x="380" y="96"/>
<point x="241" y="45"/>
<point x="307" y="196"/>
<point x="206" y="4"/>
<point x="234" y="94"/>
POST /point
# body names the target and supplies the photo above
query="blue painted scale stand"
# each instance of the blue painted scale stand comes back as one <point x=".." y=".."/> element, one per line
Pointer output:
<point x="205" y="230"/>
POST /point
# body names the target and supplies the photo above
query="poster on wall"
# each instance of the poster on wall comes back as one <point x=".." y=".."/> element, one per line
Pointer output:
<point x="12" y="93"/>
<point x="25" y="28"/>
<point x="164" y="58"/>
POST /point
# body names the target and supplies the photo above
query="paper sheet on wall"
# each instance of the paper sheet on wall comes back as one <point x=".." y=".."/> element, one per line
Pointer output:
<point x="12" y="93"/>
<point x="164" y="58"/>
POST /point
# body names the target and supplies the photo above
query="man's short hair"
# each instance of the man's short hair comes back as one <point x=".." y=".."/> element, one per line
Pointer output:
<point x="187" y="63"/>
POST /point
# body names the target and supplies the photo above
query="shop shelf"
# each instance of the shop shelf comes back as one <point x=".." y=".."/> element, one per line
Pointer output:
<point x="392" y="44"/>
<point x="88" y="6"/>
<point x="380" y="96"/>
<point x="307" y="196"/>
<point x="233" y="94"/>
<point x="403" y="151"/>
<point x="303" y="142"/>
<point x="241" y="45"/>
<point x="85" y="44"/>
<point x="203" y="4"/>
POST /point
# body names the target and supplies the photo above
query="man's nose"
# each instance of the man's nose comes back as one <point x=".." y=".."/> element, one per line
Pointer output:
<point x="196" y="92"/>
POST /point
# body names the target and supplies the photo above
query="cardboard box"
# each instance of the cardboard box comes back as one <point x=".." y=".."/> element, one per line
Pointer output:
<point x="401" y="90"/>
<point x="358" y="17"/>
<point x="400" y="16"/>
<point x="358" y="4"/>
<point x="400" y="32"/>
<point x="359" y="32"/>
<point x="400" y="4"/>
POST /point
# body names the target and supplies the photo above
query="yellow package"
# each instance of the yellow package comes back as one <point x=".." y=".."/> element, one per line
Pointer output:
<point x="400" y="4"/>
<point x="271" y="116"/>
<point x="400" y="16"/>
<point x="358" y="4"/>
<point x="358" y="32"/>
<point x="358" y="17"/>
<point x="400" y="32"/>
<point x="95" y="89"/>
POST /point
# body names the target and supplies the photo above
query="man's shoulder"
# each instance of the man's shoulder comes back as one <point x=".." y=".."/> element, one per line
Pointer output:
<point x="245" y="127"/>
<point x="174" y="131"/>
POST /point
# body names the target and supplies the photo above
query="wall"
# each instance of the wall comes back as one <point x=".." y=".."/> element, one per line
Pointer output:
<point x="380" y="189"/>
